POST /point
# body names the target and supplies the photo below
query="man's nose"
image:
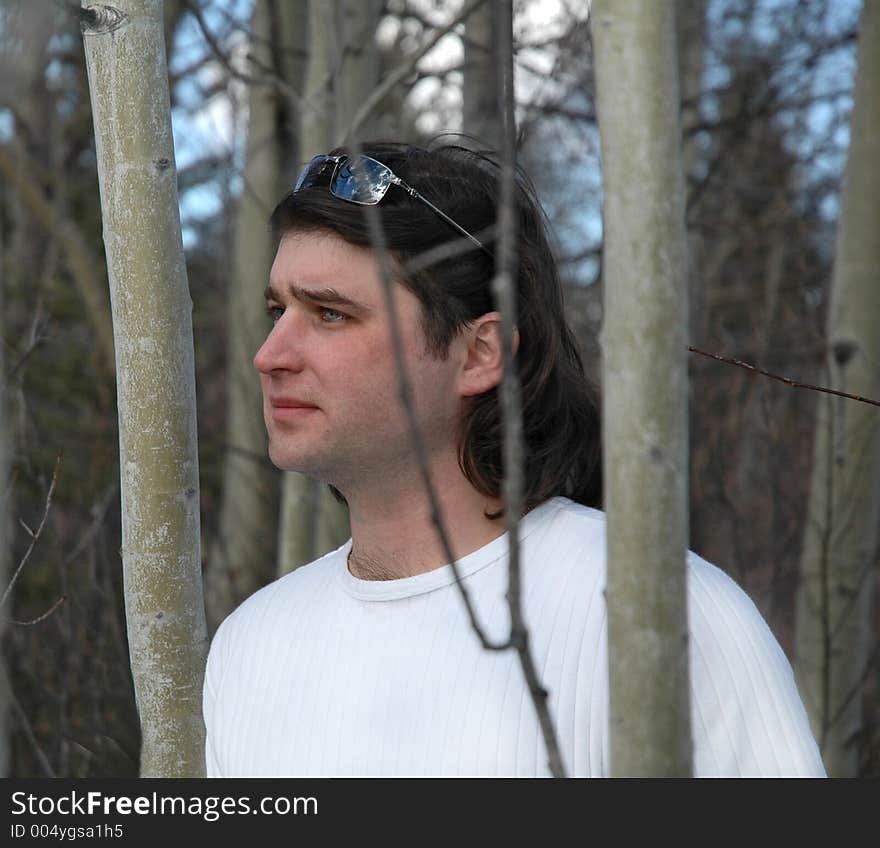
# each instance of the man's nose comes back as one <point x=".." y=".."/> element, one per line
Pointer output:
<point x="282" y="349"/>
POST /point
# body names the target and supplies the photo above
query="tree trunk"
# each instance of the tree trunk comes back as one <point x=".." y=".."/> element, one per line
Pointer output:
<point x="245" y="550"/>
<point x="312" y="521"/>
<point x="480" y="116"/>
<point x="5" y="539"/>
<point x="128" y="84"/>
<point x="839" y="556"/>
<point x="359" y="70"/>
<point x="645" y="386"/>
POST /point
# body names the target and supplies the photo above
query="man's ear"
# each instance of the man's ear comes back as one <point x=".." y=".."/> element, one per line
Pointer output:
<point x="483" y="365"/>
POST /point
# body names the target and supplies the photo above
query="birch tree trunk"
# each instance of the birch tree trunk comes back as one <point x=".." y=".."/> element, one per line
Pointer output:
<point x="359" y="69"/>
<point x="128" y="84"/>
<point x="300" y="495"/>
<point x="690" y="17"/>
<point x="5" y="539"/>
<point x="839" y="558"/>
<point x="644" y="386"/>
<point x="480" y="116"/>
<point x="312" y="521"/>
<point x="244" y="552"/>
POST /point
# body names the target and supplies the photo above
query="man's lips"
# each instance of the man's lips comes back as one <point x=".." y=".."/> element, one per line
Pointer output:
<point x="288" y="410"/>
<point x="290" y="403"/>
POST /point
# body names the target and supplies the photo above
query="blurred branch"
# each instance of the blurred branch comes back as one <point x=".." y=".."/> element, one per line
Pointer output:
<point x="35" y="337"/>
<point x="269" y="77"/>
<point x="406" y="67"/>
<point x="80" y="259"/>
<point x="34" y="534"/>
<point x="39" y="753"/>
<point x="39" y="618"/>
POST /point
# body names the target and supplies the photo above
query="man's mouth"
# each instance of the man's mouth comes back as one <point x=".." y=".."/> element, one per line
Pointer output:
<point x="290" y="403"/>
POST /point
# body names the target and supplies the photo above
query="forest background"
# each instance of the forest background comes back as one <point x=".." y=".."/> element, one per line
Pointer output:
<point x="257" y="89"/>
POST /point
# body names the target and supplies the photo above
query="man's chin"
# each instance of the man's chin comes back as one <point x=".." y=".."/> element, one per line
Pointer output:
<point x="301" y="465"/>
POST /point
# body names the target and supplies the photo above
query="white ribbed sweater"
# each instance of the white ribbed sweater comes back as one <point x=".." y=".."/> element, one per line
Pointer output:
<point x="321" y="673"/>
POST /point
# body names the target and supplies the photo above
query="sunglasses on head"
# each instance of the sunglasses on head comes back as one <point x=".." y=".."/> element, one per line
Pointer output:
<point x="364" y="180"/>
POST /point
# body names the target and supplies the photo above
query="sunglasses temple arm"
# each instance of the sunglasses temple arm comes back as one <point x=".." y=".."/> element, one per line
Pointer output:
<point x="444" y="216"/>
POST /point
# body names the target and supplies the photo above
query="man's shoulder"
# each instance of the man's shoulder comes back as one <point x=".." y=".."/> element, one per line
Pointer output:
<point x="283" y="593"/>
<point x="560" y="518"/>
<point x="564" y="526"/>
<point x="564" y="545"/>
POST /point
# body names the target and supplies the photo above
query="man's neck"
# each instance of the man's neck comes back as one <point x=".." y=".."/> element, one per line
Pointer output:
<point x="393" y="535"/>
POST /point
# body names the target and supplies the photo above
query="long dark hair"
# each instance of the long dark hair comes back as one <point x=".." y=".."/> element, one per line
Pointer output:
<point x="561" y="420"/>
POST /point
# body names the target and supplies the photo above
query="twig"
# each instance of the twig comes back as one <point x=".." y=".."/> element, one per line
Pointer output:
<point x="39" y="618"/>
<point x="858" y="686"/>
<point x="36" y="337"/>
<point x="511" y="402"/>
<point x="405" y="68"/>
<point x="269" y="78"/>
<point x="786" y="380"/>
<point x="39" y="753"/>
<point x="448" y="250"/>
<point x="99" y="511"/>
<point x="404" y="391"/>
<point x="35" y="534"/>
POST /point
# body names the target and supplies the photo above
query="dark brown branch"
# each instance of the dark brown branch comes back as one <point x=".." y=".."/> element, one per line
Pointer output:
<point x="404" y="391"/>
<point x="786" y="380"/>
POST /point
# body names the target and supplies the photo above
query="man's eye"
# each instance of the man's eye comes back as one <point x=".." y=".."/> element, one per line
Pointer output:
<point x="274" y="312"/>
<point x="331" y="316"/>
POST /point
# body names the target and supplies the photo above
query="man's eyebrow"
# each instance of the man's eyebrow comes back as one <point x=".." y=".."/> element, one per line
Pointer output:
<point x="323" y="296"/>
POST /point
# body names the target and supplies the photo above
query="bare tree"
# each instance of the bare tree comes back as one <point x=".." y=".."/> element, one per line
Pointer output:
<point x="480" y="115"/>
<point x="244" y="552"/>
<point x="645" y="386"/>
<point x="835" y="598"/>
<point x="128" y="82"/>
<point x="5" y="546"/>
<point x="339" y="78"/>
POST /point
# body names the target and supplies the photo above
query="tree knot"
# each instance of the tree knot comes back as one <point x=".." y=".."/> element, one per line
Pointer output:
<point x="843" y="351"/>
<point x="99" y="19"/>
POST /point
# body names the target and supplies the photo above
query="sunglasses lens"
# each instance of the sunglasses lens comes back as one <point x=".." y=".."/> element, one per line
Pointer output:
<point x="361" y="180"/>
<point x="318" y="170"/>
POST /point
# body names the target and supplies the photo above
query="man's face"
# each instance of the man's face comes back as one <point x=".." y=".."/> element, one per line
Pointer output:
<point x="328" y="372"/>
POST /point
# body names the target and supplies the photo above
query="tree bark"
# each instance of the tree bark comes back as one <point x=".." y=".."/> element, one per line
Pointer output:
<point x="480" y="116"/>
<point x="245" y="550"/>
<point x="151" y="307"/>
<point x="645" y="386"/>
<point x="359" y="70"/>
<point x="839" y="558"/>
<point x="312" y="521"/>
<point x="5" y="539"/>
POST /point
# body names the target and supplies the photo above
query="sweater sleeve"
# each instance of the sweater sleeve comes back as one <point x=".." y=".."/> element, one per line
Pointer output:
<point x="747" y="717"/>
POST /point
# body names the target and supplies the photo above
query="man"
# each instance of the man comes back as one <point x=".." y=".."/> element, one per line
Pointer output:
<point x="364" y="662"/>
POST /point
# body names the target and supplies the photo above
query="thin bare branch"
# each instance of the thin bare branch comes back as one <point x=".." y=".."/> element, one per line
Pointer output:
<point x="35" y="534"/>
<point x="39" y="618"/>
<point x="404" y="390"/>
<point x="511" y="403"/>
<point x="269" y="77"/>
<point x="39" y="753"/>
<point x="793" y="383"/>
<point x="406" y="67"/>
<point x="85" y="268"/>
